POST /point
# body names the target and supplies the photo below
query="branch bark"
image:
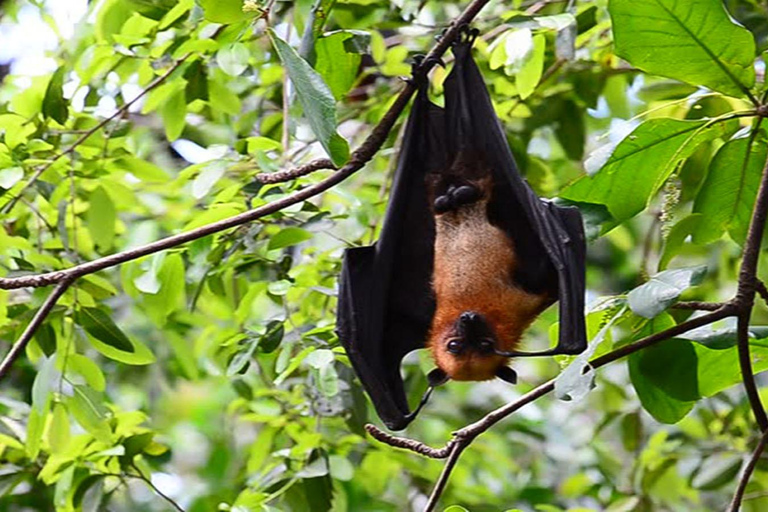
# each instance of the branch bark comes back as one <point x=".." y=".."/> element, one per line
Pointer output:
<point x="358" y="159"/>
<point x="464" y="437"/>
<point x="748" y="469"/>
<point x="18" y="348"/>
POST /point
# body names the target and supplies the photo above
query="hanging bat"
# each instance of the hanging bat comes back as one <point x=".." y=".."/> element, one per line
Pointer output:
<point x="468" y="255"/>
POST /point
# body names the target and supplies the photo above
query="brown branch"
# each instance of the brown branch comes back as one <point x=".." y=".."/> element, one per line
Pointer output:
<point x="745" y="296"/>
<point x="119" y="112"/>
<point x="357" y="160"/>
<point x="296" y="172"/>
<point x="359" y="157"/>
<point x="409" y="444"/>
<point x="464" y="437"/>
<point x="37" y="321"/>
<point x="748" y="469"/>
<point x="761" y="289"/>
<point x="698" y="306"/>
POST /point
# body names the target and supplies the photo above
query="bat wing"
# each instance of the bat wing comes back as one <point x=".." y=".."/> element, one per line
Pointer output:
<point x="385" y="297"/>
<point x="549" y="239"/>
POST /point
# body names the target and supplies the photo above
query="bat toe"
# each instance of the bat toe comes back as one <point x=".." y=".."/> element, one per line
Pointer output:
<point x="466" y="194"/>
<point x="443" y="204"/>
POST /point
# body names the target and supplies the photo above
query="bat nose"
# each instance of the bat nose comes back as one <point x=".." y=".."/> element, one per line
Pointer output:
<point x="469" y="317"/>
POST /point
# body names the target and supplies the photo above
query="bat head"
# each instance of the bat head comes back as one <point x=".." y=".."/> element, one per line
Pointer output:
<point x="466" y="350"/>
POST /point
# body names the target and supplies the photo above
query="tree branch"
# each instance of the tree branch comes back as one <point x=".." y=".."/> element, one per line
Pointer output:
<point x="296" y="172"/>
<point x="357" y="160"/>
<point x="698" y="306"/>
<point x="748" y="469"/>
<point x="464" y="437"/>
<point x="37" y="321"/>
<point x="745" y="296"/>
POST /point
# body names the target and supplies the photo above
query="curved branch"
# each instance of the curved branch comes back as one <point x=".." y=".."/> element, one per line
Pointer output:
<point x="34" y="324"/>
<point x="410" y="444"/>
<point x="745" y="296"/>
<point x="464" y="437"/>
<point x="296" y="172"/>
<point x="748" y="469"/>
<point x="357" y="160"/>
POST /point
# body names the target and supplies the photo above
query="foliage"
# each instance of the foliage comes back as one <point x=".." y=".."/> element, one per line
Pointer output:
<point x="210" y="374"/>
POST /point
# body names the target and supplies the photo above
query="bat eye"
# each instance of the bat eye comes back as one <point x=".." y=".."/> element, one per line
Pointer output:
<point x="455" y="346"/>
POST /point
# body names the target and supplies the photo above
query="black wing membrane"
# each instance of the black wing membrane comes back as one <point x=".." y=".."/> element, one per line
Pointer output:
<point x="386" y="302"/>
<point x="385" y="297"/>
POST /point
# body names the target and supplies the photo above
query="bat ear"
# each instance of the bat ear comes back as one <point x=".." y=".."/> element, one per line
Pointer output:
<point x="507" y="374"/>
<point x="437" y="377"/>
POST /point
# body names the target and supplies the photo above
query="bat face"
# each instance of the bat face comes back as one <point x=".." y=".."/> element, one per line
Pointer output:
<point x="466" y="349"/>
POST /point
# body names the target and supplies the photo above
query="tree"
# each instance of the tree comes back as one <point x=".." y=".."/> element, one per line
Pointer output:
<point x="175" y="197"/>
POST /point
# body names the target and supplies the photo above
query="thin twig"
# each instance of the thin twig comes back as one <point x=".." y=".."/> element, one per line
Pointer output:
<point x="37" y="320"/>
<point x="369" y="147"/>
<point x="442" y="481"/>
<point x="296" y="172"/>
<point x="761" y="289"/>
<point x="748" y="469"/>
<point x="119" y="112"/>
<point x="465" y="436"/>
<point x="409" y="444"/>
<point x="698" y="306"/>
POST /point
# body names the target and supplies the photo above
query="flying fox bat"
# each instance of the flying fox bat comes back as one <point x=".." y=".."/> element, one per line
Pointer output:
<point x="467" y="258"/>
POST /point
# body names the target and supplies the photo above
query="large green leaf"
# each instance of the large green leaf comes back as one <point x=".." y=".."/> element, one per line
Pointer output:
<point x="101" y="218"/>
<point x="642" y="162"/>
<point x="663" y="289"/>
<point x="694" y="41"/>
<point x="100" y="326"/>
<point x="54" y="104"/>
<point x="727" y="196"/>
<point x="336" y="60"/>
<point x="316" y="99"/>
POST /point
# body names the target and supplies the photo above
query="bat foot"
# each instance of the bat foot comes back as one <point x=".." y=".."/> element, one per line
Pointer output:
<point x="457" y="196"/>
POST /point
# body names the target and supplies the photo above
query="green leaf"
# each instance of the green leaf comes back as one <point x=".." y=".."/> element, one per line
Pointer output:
<point x="233" y="59"/>
<point x="527" y="78"/>
<point x="663" y="289"/>
<point x="101" y="218"/>
<point x="54" y="104"/>
<point x="728" y="194"/>
<point x="87" y="407"/>
<point x="316" y="99"/>
<point x="287" y="237"/>
<point x="171" y="295"/>
<point x="88" y="370"/>
<point x="43" y="384"/>
<point x="99" y="325"/>
<point x="716" y="470"/>
<point x="641" y="163"/>
<point x="11" y="176"/>
<point x="271" y="339"/>
<point x="225" y="11"/>
<point x="174" y="112"/>
<point x="336" y="64"/>
<point x="676" y="238"/>
<point x="35" y="428"/>
<point x="695" y="41"/>
<point x="656" y="401"/>
<point x="197" y="82"/>
<point x="58" y="431"/>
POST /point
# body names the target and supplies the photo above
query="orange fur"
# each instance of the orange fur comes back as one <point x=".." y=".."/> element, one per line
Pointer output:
<point x="473" y="268"/>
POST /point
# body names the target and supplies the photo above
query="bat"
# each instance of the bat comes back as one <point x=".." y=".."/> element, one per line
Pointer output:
<point x="467" y="258"/>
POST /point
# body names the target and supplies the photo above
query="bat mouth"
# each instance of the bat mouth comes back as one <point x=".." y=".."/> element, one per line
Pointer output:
<point x="473" y="335"/>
